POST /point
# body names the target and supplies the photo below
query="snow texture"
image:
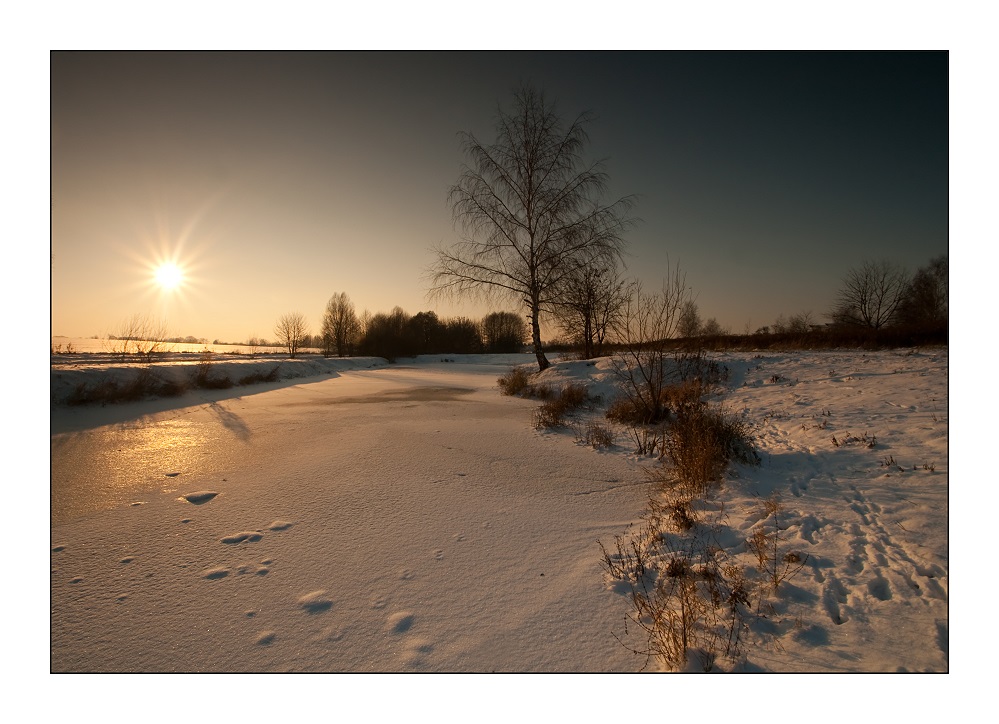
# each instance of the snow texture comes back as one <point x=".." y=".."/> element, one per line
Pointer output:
<point x="409" y="518"/>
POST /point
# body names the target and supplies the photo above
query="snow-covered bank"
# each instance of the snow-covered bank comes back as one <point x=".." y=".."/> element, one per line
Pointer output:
<point x="178" y="371"/>
<point x="400" y="519"/>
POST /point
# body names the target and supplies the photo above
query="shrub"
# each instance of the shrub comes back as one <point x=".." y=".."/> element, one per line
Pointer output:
<point x="218" y="383"/>
<point x="202" y="369"/>
<point x="170" y="388"/>
<point x="559" y="403"/>
<point x="635" y="410"/>
<point x="515" y="381"/>
<point x="255" y="377"/>
<point x="699" y="445"/>
<point x="648" y="439"/>
<point x="683" y="602"/>
<point x="598" y="436"/>
<point x="109" y="390"/>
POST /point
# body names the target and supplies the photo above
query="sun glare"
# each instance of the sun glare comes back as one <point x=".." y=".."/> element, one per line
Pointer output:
<point x="169" y="276"/>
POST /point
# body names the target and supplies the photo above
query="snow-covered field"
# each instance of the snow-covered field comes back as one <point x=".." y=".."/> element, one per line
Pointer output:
<point x="408" y="517"/>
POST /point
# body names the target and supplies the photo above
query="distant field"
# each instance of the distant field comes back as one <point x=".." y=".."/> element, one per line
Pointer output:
<point x="89" y="345"/>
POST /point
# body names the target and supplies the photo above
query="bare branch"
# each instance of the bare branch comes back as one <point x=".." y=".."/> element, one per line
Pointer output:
<point x="531" y="211"/>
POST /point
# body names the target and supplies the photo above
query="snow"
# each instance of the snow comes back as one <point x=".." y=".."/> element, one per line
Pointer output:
<point x="372" y="517"/>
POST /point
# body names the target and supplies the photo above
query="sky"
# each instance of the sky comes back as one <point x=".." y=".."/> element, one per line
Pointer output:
<point x="276" y="179"/>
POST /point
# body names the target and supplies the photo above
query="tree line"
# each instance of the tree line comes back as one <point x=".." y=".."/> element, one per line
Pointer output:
<point x="344" y="333"/>
<point x="536" y="231"/>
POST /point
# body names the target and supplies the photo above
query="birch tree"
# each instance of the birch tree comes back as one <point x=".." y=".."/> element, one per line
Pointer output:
<point x="529" y="210"/>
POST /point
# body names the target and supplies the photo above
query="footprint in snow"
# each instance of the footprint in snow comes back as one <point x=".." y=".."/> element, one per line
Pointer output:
<point x="200" y="497"/>
<point x="247" y="535"/>
<point x="400" y="622"/>
<point x="332" y="634"/>
<point x="252" y="569"/>
<point x="416" y="652"/>
<point x="315" y="602"/>
<point x="213" y="574"/>
<point x="880" y="589"/>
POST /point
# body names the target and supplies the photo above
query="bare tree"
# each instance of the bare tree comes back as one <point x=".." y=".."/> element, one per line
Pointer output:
<point x="589" y="303"/>
<point x="690" y="320"/>
<point x="926" y="299"/>
<point x="529" y="211"/>
<point x="647" y="361"/>
<point x="712" y="328"/>
<point x="291" y="331"/>
<point x="800" y="323"/>
<point x="340" y="328"/>
<point x="871" y="295"/>
<point x="137" y="335"/>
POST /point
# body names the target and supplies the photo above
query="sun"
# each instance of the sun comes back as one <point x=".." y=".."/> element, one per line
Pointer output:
<point x="169" y="275"/>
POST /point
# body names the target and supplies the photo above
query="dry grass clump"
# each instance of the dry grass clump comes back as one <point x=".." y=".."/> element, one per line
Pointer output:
<point x="693" y="602"/>
<point x="109" y="390"/>
<point x="559" y="403"/>
<point x="685" y="603"/>
<point x="699" y="445"/>
<point x="690" y="600"/>
<point x="775" y="565"/>
<point x="597" y="436"/>
<point x="256" y="377"/>
<point x="515" y="381"/>
<point x="144" y="384"/>
<point x="635" y="410"/>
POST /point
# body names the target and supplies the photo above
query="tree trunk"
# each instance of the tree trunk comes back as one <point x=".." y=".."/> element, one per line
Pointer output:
<point x="543" y="362"/>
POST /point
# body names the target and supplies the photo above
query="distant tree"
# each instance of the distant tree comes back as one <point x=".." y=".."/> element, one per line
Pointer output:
<point x="424" y="334"/>
<point x="588" y="305"/>
<point x="340" y="326"/>
<point x="461" y="336"/>
<point x="689" y="324"/>
<point x="291" y="332"/>
<point x="871" y="294"/>
<point x="926" y="299"/>
<point x="530" y="210"/>
<point x="385" y="335"/>
<point x="137" y="335"/>
<point x="712" y="328"/>
<point x="801" y="323"/>
<point x="795" y="324"/>
<point x="504" y="332"/>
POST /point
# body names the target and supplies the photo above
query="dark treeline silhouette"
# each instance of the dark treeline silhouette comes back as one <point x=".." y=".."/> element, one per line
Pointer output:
<point x="829" y="337"/>
<point x="397" y="334"/>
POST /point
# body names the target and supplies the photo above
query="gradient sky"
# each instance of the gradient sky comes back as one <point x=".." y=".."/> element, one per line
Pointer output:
<point x="278" y="179"/>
